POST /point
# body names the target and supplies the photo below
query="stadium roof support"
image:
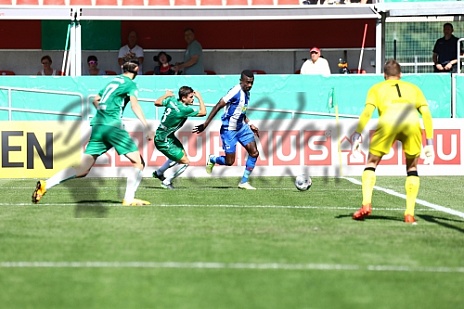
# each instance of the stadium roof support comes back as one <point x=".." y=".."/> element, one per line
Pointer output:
<point x="436" y="8"/>
<point x="304" y="12"/>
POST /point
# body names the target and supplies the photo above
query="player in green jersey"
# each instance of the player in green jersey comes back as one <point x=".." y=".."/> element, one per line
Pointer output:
<point x="108" y="132"/>
<point x="175" y="114"/>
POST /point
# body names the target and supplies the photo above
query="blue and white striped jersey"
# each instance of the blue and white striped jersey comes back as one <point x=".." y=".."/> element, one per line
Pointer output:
<point x="235" y="110"/>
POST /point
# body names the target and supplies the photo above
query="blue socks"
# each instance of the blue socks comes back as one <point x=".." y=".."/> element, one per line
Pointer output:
<point x="250" y="165"/>
<point x="218" y="160"/>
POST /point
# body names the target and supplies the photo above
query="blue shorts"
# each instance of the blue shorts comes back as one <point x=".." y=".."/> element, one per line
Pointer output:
<point x="230" y="138"/>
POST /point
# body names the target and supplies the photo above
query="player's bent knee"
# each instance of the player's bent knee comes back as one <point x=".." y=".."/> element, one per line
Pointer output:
<point x="254" y="154"/>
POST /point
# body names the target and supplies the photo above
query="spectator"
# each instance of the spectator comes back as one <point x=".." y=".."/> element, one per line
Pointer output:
<point x="315" y="65"/>
<point x="93" y="69"/>
<point x="163" y="66"/>
<point x="445" y="51"/>
<point x="47" y="66"/>
<point x="131" y="51"/>
<point x="193" y="57"/>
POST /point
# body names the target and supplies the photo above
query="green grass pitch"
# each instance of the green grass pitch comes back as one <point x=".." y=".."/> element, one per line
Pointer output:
<point x="208" y="244"/>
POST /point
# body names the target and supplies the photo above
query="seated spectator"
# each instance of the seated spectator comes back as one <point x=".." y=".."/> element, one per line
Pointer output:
<point x="315" y="65"/>
<point x="93" y="69"/>
<point x="46" y="66"/>
<point x="163" y="66"/>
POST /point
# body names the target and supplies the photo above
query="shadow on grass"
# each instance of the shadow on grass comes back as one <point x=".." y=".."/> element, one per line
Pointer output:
<point x="445" y="222"/>
<point x="92" y="209"/>
<point x="371" y="217"/>
<point x="225" y="187"/>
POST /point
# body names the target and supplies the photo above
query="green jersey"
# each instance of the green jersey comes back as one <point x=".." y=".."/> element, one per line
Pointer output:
<point x="112" y="101"/>
<point x="174" y="117"/>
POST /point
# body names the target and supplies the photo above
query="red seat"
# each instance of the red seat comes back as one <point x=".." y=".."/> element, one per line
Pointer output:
<point x="262" y="2"/>
<point x="258" y="71"/>
<point x="27" y="2"/>
<point x="109" y="72"/>
<point x="210" y="72"/>
<point x="185" y="2"/>
<point x="159" y="2"/>
<point x="289" y="2"/>
<point x="53" y="2"/>
<point x="211" y="2"/>
<point x="6" y="72"/>
<point x="298" y="72"/>
<point x="80" y="2"/>
<point x="106" y="2"/>
<point x="8" y="2"/>
<point x="355" y="71"/>
<point x="133" y="2"/>
<point x="149" y="72"/>
<point x="237" y="2"/>
<point x="60" y="73"/>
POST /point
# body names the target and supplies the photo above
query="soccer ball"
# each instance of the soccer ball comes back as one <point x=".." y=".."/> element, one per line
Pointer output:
<point x="303" y="182"/>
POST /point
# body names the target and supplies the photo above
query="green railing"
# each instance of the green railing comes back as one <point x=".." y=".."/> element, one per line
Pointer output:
<point x="272" y="97"/>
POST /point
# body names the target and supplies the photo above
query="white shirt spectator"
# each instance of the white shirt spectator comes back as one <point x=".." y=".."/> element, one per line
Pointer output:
<point x="315" y="65"/>
<point x="131" y="51"/>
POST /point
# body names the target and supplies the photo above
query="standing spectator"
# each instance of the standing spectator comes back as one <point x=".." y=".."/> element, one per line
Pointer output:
<point x="445" y="51"/>
<point x="193" y="57"/>
<point x="399" y="104"/>
<point x="163" y="66"/>
<point x="131" y="51"/>
<point x="93" y="69"/>
<point x="236" y="128"/>
<point x="47" y="66"/>
<point x="315" y="65"/>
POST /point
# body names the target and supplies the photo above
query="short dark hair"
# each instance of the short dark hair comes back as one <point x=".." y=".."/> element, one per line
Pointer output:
<point x="47" y="57"/>
<point x="448" y="24"/>
<point x="392" y="68"/>
<point x="185" y="91"/>
<point x="247" y="73"/>
<point x="92" y="58"/>
<point x="130" y="66"/>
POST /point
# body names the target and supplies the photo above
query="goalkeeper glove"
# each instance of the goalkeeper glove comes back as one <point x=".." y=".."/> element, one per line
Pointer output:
<point x="356" y="141"/>
<point x="428" y="154"/>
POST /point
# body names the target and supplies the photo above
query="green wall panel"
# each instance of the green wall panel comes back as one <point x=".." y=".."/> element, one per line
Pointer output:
<point x="95" y="35"/>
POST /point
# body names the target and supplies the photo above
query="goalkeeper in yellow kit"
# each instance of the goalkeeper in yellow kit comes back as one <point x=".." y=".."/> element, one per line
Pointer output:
<point x="398" y="103"/>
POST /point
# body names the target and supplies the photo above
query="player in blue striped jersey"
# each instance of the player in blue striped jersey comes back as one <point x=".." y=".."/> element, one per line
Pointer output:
<point x="236" y="128"/>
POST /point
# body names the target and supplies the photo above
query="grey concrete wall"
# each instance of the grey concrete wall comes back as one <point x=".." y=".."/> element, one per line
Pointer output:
<point x="27" y="62"/>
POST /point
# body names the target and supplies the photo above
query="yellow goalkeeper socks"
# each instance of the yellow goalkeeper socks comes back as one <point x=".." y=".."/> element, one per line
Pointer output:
<point x="368" y="183"/>
<point x="411" y="185"/>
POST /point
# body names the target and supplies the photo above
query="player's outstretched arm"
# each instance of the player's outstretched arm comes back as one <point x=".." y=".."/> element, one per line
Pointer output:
<point x="428" y="153"/>
<point x="135" y="105"/>
<point x="167" y="94"/>
<point x="200" y="128"/>
<point x="252" y="126"/>
<point x="96" y="101"/>
<point x="202" y="111"/>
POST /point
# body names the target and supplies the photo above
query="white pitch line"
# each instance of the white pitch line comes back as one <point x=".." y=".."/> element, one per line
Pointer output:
<point x="418" y="201"/>
<point x="218" y="265"/>
<point x="200" y="206"/>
